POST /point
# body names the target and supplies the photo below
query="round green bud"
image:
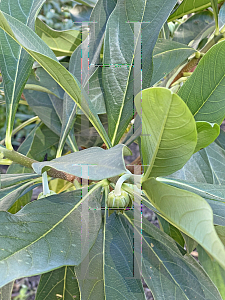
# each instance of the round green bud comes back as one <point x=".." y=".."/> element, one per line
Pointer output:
<point x="41" y="195"/>
<point x="121" y="201"/>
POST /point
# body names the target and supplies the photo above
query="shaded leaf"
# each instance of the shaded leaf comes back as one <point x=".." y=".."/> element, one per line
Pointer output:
<point x="166" y="56"/>
<point x="15" y="62"/>
<point x="12" y="179"/>
<point x="59" y="283"/>
<point x="53" y="217"/>
<point x="6" y="291"/>
<point x="93" y="163"/>
<point x="189" y="213"/>
<point x="46" y="58"/>
<point x="213" y="269"/>
<point x="166" y="269"/>
<point x="121" y="53"/>
<point x="194" y="26"/>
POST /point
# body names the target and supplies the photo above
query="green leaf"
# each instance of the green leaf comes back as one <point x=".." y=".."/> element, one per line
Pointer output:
<point x="188" y="7"/>
<point x="62" y="43"/>
<point x="172" y="231"/>
<point x="30" y="41"/>
<point x="207" y="133"/>
<point x="214" y="4"/>
<point x="203" y="91"/>
<point x="213" y="269"/>
<point x="192" y="215"/>
<point x="91" y="3"/>
<point x="166" y="56"/>
<point x="80" y="13"/>
<point x="91" y="48"/>
<point x="107" y="273"/>
<point x="7" y="180"/>
<point x="60" y="283"/>
<point x="168" y="272"/>
<point x="221" y="233"/>
<point x="214" y="194"/>
<point x="193" y="27"/>
<point x="189" y="243"/>
<point x="55" y="217"/>
<point x="6" y="291"/>
<point x="169" y="133"/>
<point x="15" y="63"/>
<point x="120" y="55"/>
<point x="205" y="166"/>
<point x="9" y="195"/>
<point x="93" y="163"/>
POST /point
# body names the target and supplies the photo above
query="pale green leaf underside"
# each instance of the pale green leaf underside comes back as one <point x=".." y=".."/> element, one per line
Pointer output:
<point x="93" y="163"/>
<point x="188" y="212"/>
<point x="204" y="90"/>
<point x="169" y="133"/>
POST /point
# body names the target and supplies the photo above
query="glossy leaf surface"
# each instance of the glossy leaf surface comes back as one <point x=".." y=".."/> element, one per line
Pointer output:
<point x="169" y="133"/>
<point x="203" y="92"/>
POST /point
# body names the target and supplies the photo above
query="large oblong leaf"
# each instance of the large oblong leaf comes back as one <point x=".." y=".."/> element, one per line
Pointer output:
<point x="204" y="91"/>
<point x="166" y="268"/>
<point x="34" y="45"/>
<point x="121" y="54"/>
<point x="188" y="212"/>
<point x="93" y="163"/>
<point x="15" y="62"/>
<point x="169" y="133"/>
<point x="37" y="226"/>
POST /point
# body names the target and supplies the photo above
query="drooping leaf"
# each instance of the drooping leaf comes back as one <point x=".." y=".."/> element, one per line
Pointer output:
<point x="7" y="180"/>
<point x="15" y="62"/>
<point x="121" y="53"/>
<point x="194" y="26"/>
<point x="9" y="195"/>
<point x="58" y="216"/>
<point x="169" y="133"/>
<point x="59" y="283"/>
<point x="203" y="91"/>
<point x="30" y="41"/>
<point x="213" y="269"/>
<point x="207" y="133"/>
<point x="189" y="213"/>
<point x="166" y="56"/>
<point x="61" y="42"/>
<point x="93" y="163"/>
<point x="188" y="7"/>
<point x="166" y="269"/>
